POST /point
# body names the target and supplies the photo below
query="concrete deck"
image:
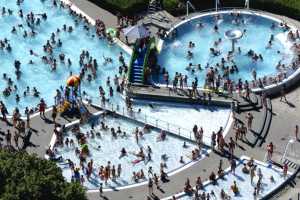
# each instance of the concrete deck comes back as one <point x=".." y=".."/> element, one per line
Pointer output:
<point x="176" y="95"/>
<point x="284" y="117"/>
<point x="96" y="12"/>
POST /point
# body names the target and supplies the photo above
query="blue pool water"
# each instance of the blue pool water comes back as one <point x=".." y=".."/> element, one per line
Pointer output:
<point x="243" y="182"/>
<point x="111" y="147"/>
<point x="175" y="116"/>
<point x="40" y="74"/>
<point x="173" y="56"/>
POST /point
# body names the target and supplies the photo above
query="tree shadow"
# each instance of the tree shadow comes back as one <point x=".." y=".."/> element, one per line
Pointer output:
<point x="290" y="104"/>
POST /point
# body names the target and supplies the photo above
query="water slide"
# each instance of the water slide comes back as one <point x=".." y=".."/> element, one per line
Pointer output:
<point x="138" y="62"/>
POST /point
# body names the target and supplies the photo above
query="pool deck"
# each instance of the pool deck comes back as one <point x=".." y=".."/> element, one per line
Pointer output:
<point x="96" y="12"/>
<point x="284" y="116"/>
<point x="183" y="95"/>
<point x="175" y="95"/>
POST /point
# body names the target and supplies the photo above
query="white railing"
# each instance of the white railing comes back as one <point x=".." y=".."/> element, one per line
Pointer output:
<point x="150" y="120"/>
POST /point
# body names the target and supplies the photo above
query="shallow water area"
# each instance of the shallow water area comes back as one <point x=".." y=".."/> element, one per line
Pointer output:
<point x="181" y="118"/>
<point x="107" y="148"/>
<point x="243" y="182"/>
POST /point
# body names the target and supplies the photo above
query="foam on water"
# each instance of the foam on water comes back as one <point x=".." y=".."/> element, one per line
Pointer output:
<point x="257" y="35"/>
<point x="243" y="182"/>
<point x="110" y="151"/>
<point x="173" y="116"/>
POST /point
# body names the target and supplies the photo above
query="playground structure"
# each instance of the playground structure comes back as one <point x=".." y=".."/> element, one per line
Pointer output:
<point x="71" y="102"/>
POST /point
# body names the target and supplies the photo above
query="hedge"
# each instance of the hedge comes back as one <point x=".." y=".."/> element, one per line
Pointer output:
<point x="290" y="8"/>
<point x="125" y="7"/>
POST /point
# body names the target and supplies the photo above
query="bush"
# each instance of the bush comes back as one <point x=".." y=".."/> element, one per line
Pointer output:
<point x="290" y="8"/>
<point x="170" y="5"/>
<point x="26" y="177"/>
<point x="125" y="7"/>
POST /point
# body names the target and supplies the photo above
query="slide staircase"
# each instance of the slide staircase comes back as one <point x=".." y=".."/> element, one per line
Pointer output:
<point x="139" y="61"/>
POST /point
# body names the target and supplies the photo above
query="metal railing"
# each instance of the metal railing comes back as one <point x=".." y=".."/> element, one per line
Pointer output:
<point x="220" y="9"/>
<point x="150" y="120"/>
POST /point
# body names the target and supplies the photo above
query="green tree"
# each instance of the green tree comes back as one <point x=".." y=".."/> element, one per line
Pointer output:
<point x="26" y="177"/>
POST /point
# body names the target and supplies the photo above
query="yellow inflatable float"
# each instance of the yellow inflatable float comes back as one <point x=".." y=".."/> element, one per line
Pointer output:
<point x="64" y="106"/>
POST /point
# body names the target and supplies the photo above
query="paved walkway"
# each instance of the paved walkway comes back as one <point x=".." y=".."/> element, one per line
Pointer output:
<point x="96" y="12"/>
<point x="43" y="133"/>
<point x="42" y="130"/>
<point x="203" y="168"/>
<point x="285" y="116"/>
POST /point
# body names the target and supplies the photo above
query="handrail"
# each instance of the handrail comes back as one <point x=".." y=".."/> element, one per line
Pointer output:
<point x="146" y="58"/>
<point x="133" y="58"/>
<point x="155" y="122"/>
<point x="274" y="83"/>
<point x="220" y="9"/>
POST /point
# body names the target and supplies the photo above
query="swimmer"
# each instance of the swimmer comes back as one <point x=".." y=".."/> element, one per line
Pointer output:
<point x="199" y="25"/>
<point x="181" y="160"/>
<point x="123" y="153"/>
<point x="189" y="55"/>
<point x="216" y="28"/>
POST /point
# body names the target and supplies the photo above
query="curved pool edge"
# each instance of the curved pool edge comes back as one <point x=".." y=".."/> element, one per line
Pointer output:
<point x="77" y="10"/>
<point x="191" y="163"/>
<point x="271" y="90"/>
<point x="242" y="159"/>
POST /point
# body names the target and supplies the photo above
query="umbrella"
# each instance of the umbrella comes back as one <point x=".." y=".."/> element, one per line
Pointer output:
<point x="73" y="81"/>
<point x="112" y="32"/>
<point x="136" y="32"/>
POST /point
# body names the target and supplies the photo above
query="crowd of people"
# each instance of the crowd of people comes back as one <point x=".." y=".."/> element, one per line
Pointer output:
<point x="249" y="168"/>
<point x="112" y="171"/>
<point x="218" y="76"/>
<point x="88" y="65"/>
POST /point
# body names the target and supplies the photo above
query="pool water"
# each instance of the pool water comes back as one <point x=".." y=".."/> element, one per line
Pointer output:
<point x="39" y="75"/>
<point x="173" y="56"/>
<point x="110" y="151"/>
<point x="243" y="182"/>
<point x="175" y="116"/>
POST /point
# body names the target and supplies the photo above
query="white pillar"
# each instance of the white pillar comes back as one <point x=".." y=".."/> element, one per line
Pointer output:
<point x="217" y="1"/>
<point x="187" y="8"/>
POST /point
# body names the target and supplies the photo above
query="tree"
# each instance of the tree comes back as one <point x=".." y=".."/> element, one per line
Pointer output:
<point x="26" y="177"/>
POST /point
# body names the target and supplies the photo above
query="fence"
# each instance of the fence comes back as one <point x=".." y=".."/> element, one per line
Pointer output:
<point x="150" y="120"/>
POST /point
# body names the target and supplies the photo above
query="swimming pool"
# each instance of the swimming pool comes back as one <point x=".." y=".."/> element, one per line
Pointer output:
<point x="201" y="31"/>
<point x="243" y="182"/>
<point x="106" y="148"/>
<point x="39" y="74"/>
<point x="175" y="116"/>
